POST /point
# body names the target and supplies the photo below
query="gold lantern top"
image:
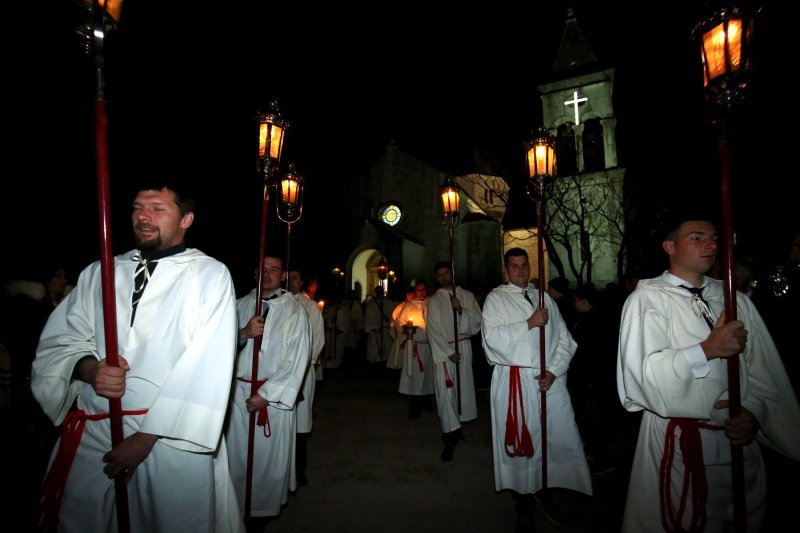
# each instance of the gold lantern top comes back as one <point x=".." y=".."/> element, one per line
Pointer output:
<point x="541" y="152"/>
<point x="290" y="196"/>
<point x="725" y="41"/>
<point x="271" y="130"/>
<point x="451" y="200"/>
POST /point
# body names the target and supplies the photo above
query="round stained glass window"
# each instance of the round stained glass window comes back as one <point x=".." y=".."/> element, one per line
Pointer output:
<point x="390" y="215"/>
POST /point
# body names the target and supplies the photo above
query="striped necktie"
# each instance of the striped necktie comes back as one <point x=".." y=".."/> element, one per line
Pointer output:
<point x="142" y="275"/>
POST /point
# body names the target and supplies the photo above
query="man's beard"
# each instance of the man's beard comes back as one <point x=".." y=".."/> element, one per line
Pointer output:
<point x="148" y="244"/>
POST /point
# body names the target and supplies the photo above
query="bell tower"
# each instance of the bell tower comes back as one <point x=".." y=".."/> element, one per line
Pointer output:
<point x="584" y="202"/>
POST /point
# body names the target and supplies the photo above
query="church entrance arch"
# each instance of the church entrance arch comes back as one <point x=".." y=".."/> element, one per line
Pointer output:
<point x="363" y="272"/>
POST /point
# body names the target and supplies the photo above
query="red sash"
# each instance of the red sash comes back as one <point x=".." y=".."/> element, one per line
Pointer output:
<point x="56" y="479"/>
<point x="694" y="473"/>
<point x="448" y="383"/>
<point x="518" y="440"/>
<point x="262" y="418"/>
<point x="418" y="358"/>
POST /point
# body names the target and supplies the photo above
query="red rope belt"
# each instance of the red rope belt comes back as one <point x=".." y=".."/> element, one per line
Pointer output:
<point x="518" y="442"/>
<point x="56" y="479"/>
<point x="262" y="419"/>
<point x="694" y="474"/>
<point x="417" y="357"/>
<point x="447" y="381"/>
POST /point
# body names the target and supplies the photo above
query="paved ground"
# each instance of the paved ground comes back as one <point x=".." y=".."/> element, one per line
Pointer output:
<point x="372" y="469"/>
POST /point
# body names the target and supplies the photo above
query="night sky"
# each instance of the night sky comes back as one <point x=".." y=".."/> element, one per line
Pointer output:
<point x="183" y="89"/>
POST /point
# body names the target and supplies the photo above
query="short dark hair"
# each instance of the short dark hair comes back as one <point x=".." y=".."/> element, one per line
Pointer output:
<point x="182" y="199"/>
<point x="443" y="264"/>
<point x="587" y="292"/>
<point x="674" y="219"/>
<point x="279" y="258"/>
<point x="560" y="284"/>
<point x="514" y="252"/>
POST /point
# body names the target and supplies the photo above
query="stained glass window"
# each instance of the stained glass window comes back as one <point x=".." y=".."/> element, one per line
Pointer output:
<point x="390" y="215"/>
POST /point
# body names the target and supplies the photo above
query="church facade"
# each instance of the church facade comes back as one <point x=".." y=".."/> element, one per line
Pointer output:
<point x="398" y="206"/>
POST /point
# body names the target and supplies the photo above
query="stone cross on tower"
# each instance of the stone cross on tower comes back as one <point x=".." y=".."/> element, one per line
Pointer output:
<point x="576" y="102"/>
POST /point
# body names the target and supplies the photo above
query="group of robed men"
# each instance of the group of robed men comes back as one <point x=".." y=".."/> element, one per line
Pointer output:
<point x="671" y="365"/>
<point x="178" y="318"/>
<point x="424" y="331"/>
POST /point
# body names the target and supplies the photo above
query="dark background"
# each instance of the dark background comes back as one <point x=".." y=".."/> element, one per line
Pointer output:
<point x="183" y="88"/>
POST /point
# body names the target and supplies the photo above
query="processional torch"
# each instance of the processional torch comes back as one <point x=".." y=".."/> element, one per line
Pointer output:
<point x="271" y="130"/>
<point x="541" y="168"/>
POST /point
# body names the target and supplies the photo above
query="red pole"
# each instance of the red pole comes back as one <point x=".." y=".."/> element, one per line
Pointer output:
<point x="106" y="253"/>
<point x="542" y="363"/>
<point x="262" y="251"/>
<point x="109" y="299"/>
<point x="288" y="250"/>
<point x="455" y="321"/>
<point x="729" y="293"/>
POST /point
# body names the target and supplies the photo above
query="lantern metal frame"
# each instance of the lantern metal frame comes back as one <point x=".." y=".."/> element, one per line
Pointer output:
<point x="451" y="211"/>
<point x="289" y="207"/>
<point x="725" y="41"/>
<point x="271" y="132"/>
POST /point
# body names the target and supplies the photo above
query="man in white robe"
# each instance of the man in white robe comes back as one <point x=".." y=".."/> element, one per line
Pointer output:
<point x="336" y="316"/>
<point x="395" y="360"/>
<point x="416" y="376"/>
<point x="175" y="324"/>
<point x="305" y="405"/>
<point x="672" y="365"/>
<point x="453" y="380"/>
<point x="511" y="328"/>
<point x="377" y="325"/>
<point x="283" y="360"/>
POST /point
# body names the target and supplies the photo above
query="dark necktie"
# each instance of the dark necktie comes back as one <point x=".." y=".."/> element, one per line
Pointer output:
<point x="266" y="302"/>
<point x="528" y="297"/>
<point x="702" y="304"/>
<point x="142" y="275"/>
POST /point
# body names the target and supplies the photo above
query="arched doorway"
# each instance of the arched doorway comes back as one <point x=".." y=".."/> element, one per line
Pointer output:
<point x="363" y="271"/>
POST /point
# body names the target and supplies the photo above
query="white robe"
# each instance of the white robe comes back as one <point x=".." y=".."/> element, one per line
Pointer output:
<point x="440" y="335"/>
<point x="181" y="357"/>
<point x="379" y="338"/>
<point x="659" y="323"/>
<point x="508" y="342"/>
<point x="417" y="353"/>
<point x="355" y="329"/>
<point x="283" y="360"/>
<point x="337" y="323"/>
<point x="317" y="332"/>
<point x="396" y="355"/>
